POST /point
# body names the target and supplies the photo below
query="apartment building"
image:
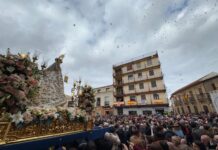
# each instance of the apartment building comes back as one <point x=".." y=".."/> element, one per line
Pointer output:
<point x="104" y="100"/>
<point x="139" y="87"/>
<point x="195" y="97"/>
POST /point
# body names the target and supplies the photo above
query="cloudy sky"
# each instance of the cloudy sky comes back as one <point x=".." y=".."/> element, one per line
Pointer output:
<point x="95" y="34"/>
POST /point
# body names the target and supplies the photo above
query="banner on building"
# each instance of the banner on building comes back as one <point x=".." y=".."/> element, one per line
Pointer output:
<point x="118" y="104"/>
<point x="214" y="98"/>
<point x="130" y="102"/>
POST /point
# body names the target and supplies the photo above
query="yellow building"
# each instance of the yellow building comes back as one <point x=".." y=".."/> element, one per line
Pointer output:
<point x="104" y="100"/>
<point x="139" y="87"/>
<point x="195" y="97"/>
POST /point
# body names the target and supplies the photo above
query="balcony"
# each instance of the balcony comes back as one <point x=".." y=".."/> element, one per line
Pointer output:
<point x="160" y="75"/>
<point x="180" y="102"/>
<point x="118" y="94"/>
<point x="204" y="98"/>
<point x="118" y="84"/>
<point x="153" y="65"/>
<point x="117" y="75"/>
<point x="192" y="100"/>
<point x="144" y="78"/>
<point x="186" y="101"/>
<point x="119" y="103"/>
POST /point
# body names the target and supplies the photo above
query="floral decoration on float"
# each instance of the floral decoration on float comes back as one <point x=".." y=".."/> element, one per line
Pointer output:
<point x="19" y="119"/>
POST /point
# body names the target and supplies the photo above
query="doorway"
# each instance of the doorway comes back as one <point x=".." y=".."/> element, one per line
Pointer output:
<point x="160" y="111"/>
<point x="205" y="109"/>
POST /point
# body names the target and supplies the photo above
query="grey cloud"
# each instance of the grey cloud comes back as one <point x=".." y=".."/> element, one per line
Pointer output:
<point x="96" y="34"/>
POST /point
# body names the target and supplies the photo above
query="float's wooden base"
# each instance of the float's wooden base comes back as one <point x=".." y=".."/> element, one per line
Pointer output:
<point x="11" y="134"/>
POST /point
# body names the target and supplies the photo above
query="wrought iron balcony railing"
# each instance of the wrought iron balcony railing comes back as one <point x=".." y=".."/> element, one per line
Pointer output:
<point x="203" y="98"/>
<point x="192" y="100"/>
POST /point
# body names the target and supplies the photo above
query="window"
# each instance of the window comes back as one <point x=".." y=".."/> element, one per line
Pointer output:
<point x="139" y="75"/>
<point x="141" y="85"/>
<point x="120" y="111"/>
<point x="132" y="112"/>
<point x="178" y="110"/>
<point x="189" y="109"/>
<point x="149" y="61"/>
<point x="182" y="110"/>
<point x="98" y="103"/>
<point x="205" y="108"/>
<point x="200" y="91"/>
<point x="138" y="65"/>
<point x="153" y="83"/>
<point x="107" y="112"/>
<point x="120" y="91"/>
<point x="191" y="94"/>
<point x="155" y="96"/>
<point x="131" y="87"/>
<point x="147" y="112"/>
<point x="118" y="82"/>
<point x="143" y="98"/>
<point x="106" y="101"/>
<point x="130" y="77"/>
<point x="107" y="89"/>
<point x="180" y="100"/>
<point x="129" y="67"/>
<point x="151" y="72"/>
<point x="213" y="86"/>
<point x="132" y="98"/>
<point x="196" y="109"/>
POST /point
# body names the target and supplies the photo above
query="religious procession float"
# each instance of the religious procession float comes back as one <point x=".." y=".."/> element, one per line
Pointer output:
<point x="32" y="100"/>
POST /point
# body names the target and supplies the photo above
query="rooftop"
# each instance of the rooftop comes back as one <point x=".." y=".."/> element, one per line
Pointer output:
<point x="204" y="78"/>
<point x="135" y="59"/>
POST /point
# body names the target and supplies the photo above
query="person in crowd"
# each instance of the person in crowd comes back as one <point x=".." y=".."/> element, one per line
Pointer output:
<point x="176" y="140"/>
<point x="154" y="132"/>
<point x="169" y="133"/>
<point x="138" y="139"/>
<point x="197" y="145"/>
<point x="114" y="139"/>
<point x="177" y="130"/>
<point x="205" y="139"/>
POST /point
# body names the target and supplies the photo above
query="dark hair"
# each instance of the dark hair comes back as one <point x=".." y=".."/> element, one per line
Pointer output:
<point x="91" y="145"/>
<point x="159" y="136"/>
<point x="135" y="131"/>
<point x="200" y="145"/>
<point x="164" y="145"/>
<point x="121" y="135"/>
<point x="103" y="144"/>
<point x="113" y="129"/>
<point x="159" y="129"/>
<point x="206" y="127"/>
<point x="193" y="124"/>
<point x="150" y="139"/>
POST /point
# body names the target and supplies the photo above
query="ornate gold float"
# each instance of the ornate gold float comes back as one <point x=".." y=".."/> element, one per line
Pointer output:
<point x="33" y="104"/>
<point x="9" y="133"/>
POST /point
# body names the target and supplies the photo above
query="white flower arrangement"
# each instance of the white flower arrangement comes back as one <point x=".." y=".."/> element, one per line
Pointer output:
<point x="47" y="114"/>
<point x="17" y="118"/>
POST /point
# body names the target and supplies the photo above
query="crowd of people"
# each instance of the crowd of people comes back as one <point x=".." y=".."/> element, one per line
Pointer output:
<point x="155" y="132"/>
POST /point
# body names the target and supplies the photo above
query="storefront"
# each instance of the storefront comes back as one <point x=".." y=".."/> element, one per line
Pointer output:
<point x="142" y="109"/>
